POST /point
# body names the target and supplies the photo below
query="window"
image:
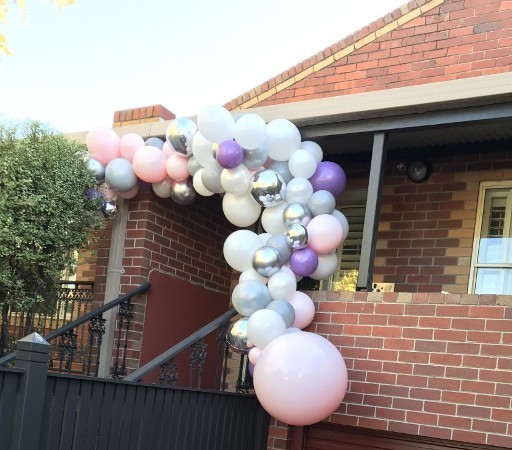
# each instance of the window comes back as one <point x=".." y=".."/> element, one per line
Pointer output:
<point x="353" y="206"/>
<point x="491" y="269"/>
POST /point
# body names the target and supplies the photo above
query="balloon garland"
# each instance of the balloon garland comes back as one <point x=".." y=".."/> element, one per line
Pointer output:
<point x="264" y="171"/>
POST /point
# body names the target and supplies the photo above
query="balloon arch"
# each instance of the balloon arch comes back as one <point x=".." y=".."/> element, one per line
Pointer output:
<point x="264" y="171"/>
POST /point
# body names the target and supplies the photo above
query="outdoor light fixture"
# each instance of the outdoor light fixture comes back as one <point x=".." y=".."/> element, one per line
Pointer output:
<point x="419" y="170"/>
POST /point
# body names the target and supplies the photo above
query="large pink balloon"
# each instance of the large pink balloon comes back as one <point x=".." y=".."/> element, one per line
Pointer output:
<point x="304" y="309"/>
<point x="130" y="143"/>
<point x="149" y="164"/>
<point x="300" y="378"/>
<point x="325" y="233"/>
<point x="103" y="144"/>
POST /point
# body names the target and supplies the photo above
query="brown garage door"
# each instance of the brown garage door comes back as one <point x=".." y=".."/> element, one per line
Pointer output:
<point x="324" y="436"/>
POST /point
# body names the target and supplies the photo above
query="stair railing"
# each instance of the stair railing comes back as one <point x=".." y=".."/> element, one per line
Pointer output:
<point x="69" y="355"/>
<point x="198" y="353"/>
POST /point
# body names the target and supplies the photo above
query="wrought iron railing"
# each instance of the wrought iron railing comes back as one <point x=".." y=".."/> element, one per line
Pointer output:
<point x="75" y="347"/>
<point x="74" y="299"/>
<point x="168" y="363"/>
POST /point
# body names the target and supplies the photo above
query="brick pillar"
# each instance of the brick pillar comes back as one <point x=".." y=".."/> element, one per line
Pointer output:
<point x="144" y="114"/>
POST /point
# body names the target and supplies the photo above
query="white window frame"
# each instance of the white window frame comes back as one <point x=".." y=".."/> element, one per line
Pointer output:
<point x="484" y="186"/>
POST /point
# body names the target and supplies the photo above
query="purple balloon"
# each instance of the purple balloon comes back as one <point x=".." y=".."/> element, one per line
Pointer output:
<point x="304" y="262"/>
<point x="251" y="368"/>
<point x="330" y="177"/>
<point x="229" y="154"/>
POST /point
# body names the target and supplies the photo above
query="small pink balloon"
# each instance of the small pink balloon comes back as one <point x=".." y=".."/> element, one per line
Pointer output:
<point x="300" y="378"/>
<point x="177" y="167"/>
<point x="130" y="143"/>
<point x="304" y="310"/>
<point x="129" y="194"/>
<point x="103" y="144"/>
<point x="254" y="354"/>
<point x="149" y="164"/>
<point x="168" y="150"/>
<point x="325" y="233"/>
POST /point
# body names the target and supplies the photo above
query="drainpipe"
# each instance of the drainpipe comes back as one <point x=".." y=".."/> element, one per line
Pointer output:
<point x="112" y="287"/>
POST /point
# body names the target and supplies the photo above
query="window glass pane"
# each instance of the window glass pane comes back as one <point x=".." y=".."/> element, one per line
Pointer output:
<point x="495" y="251"/>
<point x="493" y="281"/>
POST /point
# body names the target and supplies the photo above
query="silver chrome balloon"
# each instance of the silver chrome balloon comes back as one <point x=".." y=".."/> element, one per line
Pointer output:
<point x="109" y="210"/>
<point x="297" y="236"/>
<point x="296" y="213"/>
<point x="236" y="335"/>
<point x="268" y="187"/>
<point x="182" y="192"/>
<point x="97" y="169"/>
<point x="267" y="261"/>
<point x="255" y="158"/>
<point x="180" y="135"/>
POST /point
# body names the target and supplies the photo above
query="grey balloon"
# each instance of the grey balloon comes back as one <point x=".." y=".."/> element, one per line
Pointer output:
<point x="280" y="243"/>
<point x="284" y="309"/>
<point x="183" y="192"/>
<point x="97" y="169"/>
<point x="180" y="134"/>
<point x="281" y="167"/>
<point x="322" y="202"/>
<point x="296" y="213"/>
<point x="211" y="177"/>
<point x="268" y="187"/>
<point x="297" y="236"/>
<point x="250" y="296"/>
<point x="154" y="142"/>
<point x="193" y="166"/>
<point x="109" y="209"/>
<point x="120" y="176"/>
<point x="255" y="158"/>
<point x="236" y="335"/>
<point x="267" y="261"/>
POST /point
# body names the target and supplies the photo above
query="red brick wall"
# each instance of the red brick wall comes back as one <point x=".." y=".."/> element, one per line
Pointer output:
<point x="457" y="39"/>
<point x="424" y="364"/>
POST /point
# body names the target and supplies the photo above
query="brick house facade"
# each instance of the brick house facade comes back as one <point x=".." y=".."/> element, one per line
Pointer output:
<point x="428" y="360"/>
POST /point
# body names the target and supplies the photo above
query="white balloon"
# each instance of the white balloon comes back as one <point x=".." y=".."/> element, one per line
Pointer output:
<point x="202" y="149"/>
<point x="283" y="138"/>
<point x="216" y="123"/>
<point x="239" y="248"/>
<point x="327" y="265"/>
<point x="163" y="188"/>
<point x="272" y="219"/>
<point x="264" y="326"/>
<point x="240" y="210"/>
<point x="314" y="149"/>
<point x="282" y="286"/>
<point x="236" y="181"/>
<point x="302" y="164"/>
<point x="251" y="274"/>
<point x="250" y="131"/>
<point x="198" y="184"/>
<point x="264" y="238"/>
<point x="299" y="190"/>
<point x="343" y="221"/>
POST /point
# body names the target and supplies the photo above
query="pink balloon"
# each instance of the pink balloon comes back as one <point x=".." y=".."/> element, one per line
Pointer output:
<point x="254" y="354"/>
<point x="149" y="164"/>
<point x="103" y="144"/>
<point x="129" y="194"/>
<point x="177" y="167"/>
<point x="168" y="150"/>
<point x="325" y="233"/>
<point x="130" y="143"/>
<point x="300" y="378"/>
<point x="304" y="309"/>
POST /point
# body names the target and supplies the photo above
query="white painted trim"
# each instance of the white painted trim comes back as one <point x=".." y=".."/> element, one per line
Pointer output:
<point x="388" y="102"/>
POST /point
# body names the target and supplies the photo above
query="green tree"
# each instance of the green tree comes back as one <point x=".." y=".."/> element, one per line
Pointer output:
<point x="45" y="215"/>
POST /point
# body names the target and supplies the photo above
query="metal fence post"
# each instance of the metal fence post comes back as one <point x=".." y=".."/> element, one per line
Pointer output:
<point x="32" y="355"/>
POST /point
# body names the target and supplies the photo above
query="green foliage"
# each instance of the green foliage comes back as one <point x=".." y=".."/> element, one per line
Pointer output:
<point x="44" y="212"/>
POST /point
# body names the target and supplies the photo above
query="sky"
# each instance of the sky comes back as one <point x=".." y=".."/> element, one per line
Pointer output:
<point x="72" y="68"/>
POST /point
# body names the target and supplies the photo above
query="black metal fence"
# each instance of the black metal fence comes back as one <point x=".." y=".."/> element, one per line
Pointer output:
<point x="46" y="411"/>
